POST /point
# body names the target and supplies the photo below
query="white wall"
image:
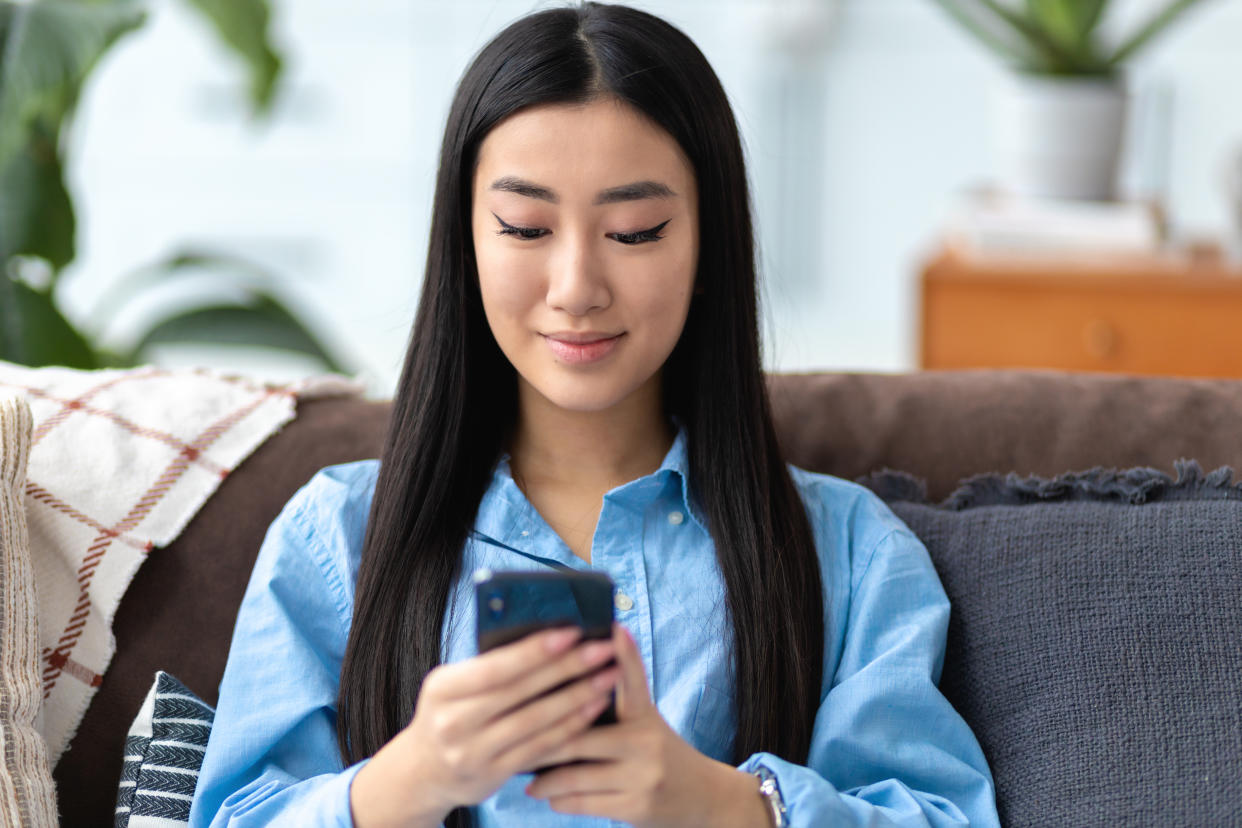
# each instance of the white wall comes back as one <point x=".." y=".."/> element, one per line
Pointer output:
<point x="857" y="144"/>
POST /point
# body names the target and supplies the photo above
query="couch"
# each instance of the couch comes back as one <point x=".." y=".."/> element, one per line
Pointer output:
<point x="1070" y="746"/>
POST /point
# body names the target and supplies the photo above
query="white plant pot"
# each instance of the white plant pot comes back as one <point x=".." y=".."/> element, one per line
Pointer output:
<point x="1059" y="137"/>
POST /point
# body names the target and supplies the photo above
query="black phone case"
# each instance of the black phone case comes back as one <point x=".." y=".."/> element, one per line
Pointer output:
<point x="512" y="605"/>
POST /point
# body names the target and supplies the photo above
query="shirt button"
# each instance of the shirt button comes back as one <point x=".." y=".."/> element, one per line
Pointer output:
<point x="676" y="518"/>
<point x="624" y="602"/>
<point x="525" y="533"/>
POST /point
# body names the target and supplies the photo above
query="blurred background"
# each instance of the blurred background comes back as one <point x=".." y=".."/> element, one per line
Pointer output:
<point x="923" y="199"/>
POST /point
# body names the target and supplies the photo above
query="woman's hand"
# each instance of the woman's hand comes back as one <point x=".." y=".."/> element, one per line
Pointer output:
<point x="640" y="771"/>
<point x="480" y="721"/>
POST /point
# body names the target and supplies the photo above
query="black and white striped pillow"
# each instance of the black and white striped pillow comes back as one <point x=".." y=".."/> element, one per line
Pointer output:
<point x="163" y="752"/>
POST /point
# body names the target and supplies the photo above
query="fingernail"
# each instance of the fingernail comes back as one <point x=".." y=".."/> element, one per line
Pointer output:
<point x="561" y="639"/>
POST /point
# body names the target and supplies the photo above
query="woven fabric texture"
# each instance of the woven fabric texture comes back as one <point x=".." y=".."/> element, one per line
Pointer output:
<point x="163" y="753"/>
<point x="120" y="461"/>
<point x="27" y="795"/>
<point x="1095" y="644"/>
<point x="178" y="612"/>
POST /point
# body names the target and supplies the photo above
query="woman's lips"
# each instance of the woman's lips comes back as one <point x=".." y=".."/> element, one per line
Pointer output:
<point x="580" y="352"/>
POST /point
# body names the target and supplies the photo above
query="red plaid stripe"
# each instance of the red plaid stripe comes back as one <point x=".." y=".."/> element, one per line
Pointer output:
<point x="41" y="495"/>
<point x="57" y="661"/>
<point x="69" y="406"/>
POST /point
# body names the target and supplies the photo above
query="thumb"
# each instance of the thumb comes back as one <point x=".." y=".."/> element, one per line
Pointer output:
<point x="632" y="694"/>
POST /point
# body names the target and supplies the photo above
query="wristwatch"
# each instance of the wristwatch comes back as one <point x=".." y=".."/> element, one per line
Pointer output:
<point x="770" y="790"/>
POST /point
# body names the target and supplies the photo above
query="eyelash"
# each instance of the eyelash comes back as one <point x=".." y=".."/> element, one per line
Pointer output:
<point x="532" y="233"/>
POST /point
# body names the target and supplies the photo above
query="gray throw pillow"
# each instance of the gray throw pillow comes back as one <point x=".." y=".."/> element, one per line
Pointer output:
<point x="1095" y="643"/>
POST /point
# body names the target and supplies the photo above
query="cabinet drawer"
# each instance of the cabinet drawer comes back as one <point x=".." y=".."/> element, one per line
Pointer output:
<point x="1188" y="329"/>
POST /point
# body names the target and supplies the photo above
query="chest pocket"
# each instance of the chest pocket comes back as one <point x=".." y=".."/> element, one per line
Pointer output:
<point x="715" y="722"/>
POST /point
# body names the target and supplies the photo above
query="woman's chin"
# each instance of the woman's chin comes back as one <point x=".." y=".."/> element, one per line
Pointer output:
<point x="583" y="403"/>
<point x="583" y="396"/>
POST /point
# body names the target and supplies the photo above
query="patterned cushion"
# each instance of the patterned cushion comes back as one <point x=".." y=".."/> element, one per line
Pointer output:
<point x="163" y="753"/>
<point x="1095" y="643"/>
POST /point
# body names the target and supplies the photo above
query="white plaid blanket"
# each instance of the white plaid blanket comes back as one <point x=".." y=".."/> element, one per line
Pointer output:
<point x="119" y="463"/>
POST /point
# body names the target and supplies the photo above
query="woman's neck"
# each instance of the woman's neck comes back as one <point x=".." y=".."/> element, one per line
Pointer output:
<point x="588" y="450"/>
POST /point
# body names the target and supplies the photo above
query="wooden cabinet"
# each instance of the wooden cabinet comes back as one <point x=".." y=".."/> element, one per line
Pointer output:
<point x="1164" y="315"/>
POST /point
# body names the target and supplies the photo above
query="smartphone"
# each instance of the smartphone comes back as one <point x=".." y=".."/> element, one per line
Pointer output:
<point x="512" y="605"/>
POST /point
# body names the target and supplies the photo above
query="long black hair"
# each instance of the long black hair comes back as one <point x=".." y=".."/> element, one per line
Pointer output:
<point x="457" y="397"/>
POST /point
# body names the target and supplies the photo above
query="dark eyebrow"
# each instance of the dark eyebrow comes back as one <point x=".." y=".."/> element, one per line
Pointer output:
<point x="513" y="184"/>
<point x="635" y="191"/>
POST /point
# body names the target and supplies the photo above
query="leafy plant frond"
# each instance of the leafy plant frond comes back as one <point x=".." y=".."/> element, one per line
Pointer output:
<point x="1071" y="23"/>
<point x="36" y="333"/>
<point x="1055" y="57"/>
<point x="253" y="313"/>
<point x="1160" y="21"/>
<point x="243" y="25"/>
<point x="983" y="28"/>
<point x="232" y="272"/>
<point x="36" y="213"/>
<point x="47" y="49"/>
<point x="1056" y="36"/>
<point x="263" y="321"/>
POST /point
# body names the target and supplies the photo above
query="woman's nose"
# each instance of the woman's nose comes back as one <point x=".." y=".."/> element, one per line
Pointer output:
<point x="576" y="284"/>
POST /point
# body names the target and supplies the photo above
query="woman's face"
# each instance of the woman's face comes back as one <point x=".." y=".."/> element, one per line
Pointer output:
<point x="586" y="234"/>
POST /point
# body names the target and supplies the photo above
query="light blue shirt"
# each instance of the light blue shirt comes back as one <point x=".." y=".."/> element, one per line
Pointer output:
<point x="886" y="749"/>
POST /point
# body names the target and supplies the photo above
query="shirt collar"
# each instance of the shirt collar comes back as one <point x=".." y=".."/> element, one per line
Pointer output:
<point x="505" y="515"/>
<point x="677" y="462"/>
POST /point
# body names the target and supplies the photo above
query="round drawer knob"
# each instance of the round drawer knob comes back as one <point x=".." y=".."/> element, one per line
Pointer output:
<point x="1100" y="337"/>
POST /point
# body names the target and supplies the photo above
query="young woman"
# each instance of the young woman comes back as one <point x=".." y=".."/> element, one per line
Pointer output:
<point x="583" y="389"/>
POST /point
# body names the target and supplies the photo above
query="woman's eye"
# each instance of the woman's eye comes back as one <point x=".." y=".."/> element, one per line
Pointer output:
<point x="640" y="236"/>
<point x="528" y="233"/>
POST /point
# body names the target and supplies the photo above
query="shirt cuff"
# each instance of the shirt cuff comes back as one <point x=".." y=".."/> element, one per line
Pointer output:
<point x="809" y="798"/>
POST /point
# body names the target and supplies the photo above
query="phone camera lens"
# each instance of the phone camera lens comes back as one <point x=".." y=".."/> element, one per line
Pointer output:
<point x="496" y="605"/>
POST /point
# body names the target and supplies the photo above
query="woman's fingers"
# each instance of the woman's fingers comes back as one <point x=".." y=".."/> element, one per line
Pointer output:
<point x="633" y="697"/>
<point x="534" y="753"/>
<point x="578" y="662"/>
<point x="545" y="713"/>
<point x="503" y="665"/>
<point x="591" y="804"/>
<point x="592" y="745"/>
<point x="582" y="778"/>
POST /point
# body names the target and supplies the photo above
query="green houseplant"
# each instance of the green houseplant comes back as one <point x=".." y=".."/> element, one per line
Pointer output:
<point x="1057" y="37"/>
<point x="1061" y="118"/>
<point x="48" y="49"/>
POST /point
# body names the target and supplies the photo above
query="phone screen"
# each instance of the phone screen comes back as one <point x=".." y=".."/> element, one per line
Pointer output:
<point x="512" y="605"/>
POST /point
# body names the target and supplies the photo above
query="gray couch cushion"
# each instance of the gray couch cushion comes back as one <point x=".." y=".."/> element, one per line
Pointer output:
<point x="1095" y="644"/>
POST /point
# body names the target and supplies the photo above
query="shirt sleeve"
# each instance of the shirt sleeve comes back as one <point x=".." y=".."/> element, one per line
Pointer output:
<point x="272" y="757"/>
<point x="887" y="748"/>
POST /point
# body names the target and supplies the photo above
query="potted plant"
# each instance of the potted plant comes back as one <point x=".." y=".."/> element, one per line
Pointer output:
<point x="1061" y="116"/>
<point x="48" y="50"/>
